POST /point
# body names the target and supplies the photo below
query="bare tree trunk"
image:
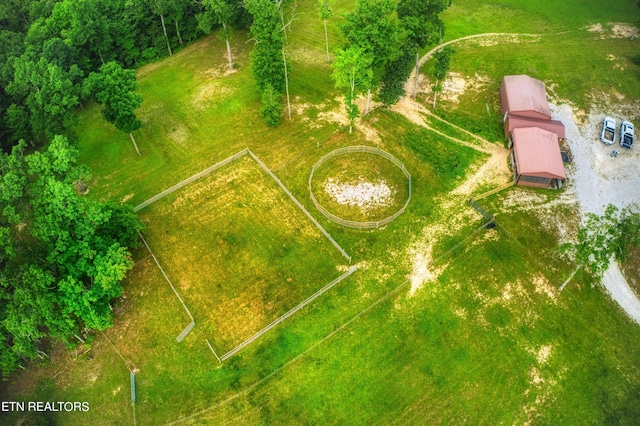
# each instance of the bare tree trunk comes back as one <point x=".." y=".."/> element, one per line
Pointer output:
<point x="415" y="85"/>
<point x="366" y="106"/>
<point x="284" y="28"/>
<point x="326" y="40"/>
<point x="134" y="143"/>
<point x="164" y="29"/>
<point x="435" y="93"/>
<point x="178" y="31"/>
<point x="101" y="59"/>
<point x="569" y="279"/>
<point x="286" y="82"/>
<point x="352" y="82"/>
<point x="226" y="39"/>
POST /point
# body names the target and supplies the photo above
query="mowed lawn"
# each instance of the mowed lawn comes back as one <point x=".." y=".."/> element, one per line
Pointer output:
<point x="239" y="251"/>
<point x="488" y="341"/>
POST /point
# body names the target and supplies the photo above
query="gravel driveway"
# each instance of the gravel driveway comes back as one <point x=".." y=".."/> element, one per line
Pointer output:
<point x="599" y="180"/>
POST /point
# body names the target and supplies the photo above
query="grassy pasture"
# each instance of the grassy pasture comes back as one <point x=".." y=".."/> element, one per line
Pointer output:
<point x="579" y="67"/>
<point x="466" y="17"/>
<point x="488" y="341"/>
<point x="238" y="250"/>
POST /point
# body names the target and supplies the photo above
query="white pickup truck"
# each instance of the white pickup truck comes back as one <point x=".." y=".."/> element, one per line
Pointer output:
<point x="608" y="134"/>
<point x="626" y="134"/>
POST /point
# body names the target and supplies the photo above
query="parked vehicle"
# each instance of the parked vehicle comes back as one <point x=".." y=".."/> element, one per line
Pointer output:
<point x="608" y="134"/>
<point x="626" y="134"/>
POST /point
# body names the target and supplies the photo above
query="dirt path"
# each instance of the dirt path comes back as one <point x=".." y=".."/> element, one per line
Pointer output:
<point x="411" y="81"/>
<point x="414" y="111"/>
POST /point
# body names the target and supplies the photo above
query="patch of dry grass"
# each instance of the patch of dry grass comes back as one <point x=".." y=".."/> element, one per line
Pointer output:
<point x="233" y="244"/>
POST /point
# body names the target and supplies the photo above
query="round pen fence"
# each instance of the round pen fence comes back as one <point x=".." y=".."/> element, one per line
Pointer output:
<point x="352" y="150"/>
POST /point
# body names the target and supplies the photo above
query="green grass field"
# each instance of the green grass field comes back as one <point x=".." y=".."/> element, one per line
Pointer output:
<point x="238" y="250"/>
<point x="487" y="340"/>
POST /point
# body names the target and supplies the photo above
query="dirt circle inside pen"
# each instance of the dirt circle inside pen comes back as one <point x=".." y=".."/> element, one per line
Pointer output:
<point x="360" y="186"/>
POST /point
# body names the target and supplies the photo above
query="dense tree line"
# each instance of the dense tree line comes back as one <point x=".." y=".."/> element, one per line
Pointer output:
<point x="49" y="47"/>
<point x="384" y="38"/>
<point x="62" y="255"/>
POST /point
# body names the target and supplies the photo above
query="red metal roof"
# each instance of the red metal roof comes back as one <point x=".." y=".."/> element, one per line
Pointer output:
<point x="525" y="96"/>
<point x="537" y="153"/>
<point x="516" y="121"/>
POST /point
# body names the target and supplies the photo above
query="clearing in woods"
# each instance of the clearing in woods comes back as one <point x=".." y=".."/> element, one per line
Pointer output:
<point x="232" y="243"/>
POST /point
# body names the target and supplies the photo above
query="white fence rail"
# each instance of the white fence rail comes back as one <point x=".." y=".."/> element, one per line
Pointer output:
<point x="350" y="150"/>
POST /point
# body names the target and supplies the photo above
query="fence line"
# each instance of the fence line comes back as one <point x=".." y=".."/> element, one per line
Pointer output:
<point x="304" y="210"/>
<point x="350" y="150"/>
<point x="192" y="324"/>
<point x="214" y="352"/>
<point x="301" y="305"/>
<point x="477" y="207"/>
<point x="207" y="171"/>
<point x="494" y="191"/>
<point x="191" y="179"/>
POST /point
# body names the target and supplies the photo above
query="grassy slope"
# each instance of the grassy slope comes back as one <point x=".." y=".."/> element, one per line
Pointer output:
<point x="459" y="349"/>
<point x="232" y="243"/>
<point x="466" y="17"/>
<point x="569" y="59"/>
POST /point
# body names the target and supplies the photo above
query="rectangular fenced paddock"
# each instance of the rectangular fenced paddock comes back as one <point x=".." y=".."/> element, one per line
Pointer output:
<point x="240" y="250"/>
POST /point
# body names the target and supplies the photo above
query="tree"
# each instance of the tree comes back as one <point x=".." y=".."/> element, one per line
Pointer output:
<point x="326" y="12"/>
<point x="421" y="26"/>
<point x="85" y="24"/>
<point x="271" y="106"/>
<point x="266" y="30"/>
<point x="440" y="68"/>
<point x="114" y="87"/>
<point x="49" y="94"/>
<point x="600" y="238"/>
<point x="267" y="57"/>
<point x="62" y="256"/>
<point x="217" y="12"/>
<point x="352" y="71"/>
<point x="160" y="8"/>
<point x="373" y="28"/>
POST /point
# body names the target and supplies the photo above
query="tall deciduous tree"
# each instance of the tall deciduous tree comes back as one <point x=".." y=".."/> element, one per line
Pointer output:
<point x="161" y="8"/>
<point x="267" y="61"/>
<point x="49" y="95"/>
<point x="114" y="87"/>
<point x="62" y="256"/>
<point x="421" y="27"/>
<point x="86" y="24"/>
<point x="352" y="71"/>
<point x="326" y="12"/>
<point x="218" y="12"/>
<point x="374" y="28"/>
<point x="440" y="68"/>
